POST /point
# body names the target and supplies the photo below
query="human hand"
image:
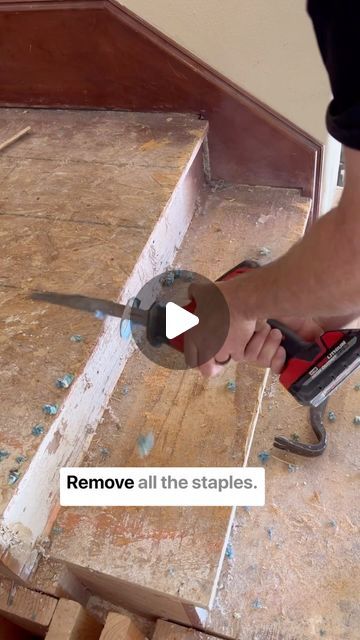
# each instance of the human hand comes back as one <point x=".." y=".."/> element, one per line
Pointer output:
<point x="248" y="340"/>
<point x="199" y="341"/>
<point x="264" y="348"/>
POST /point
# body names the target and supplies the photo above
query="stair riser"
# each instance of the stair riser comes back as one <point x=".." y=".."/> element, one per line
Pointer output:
<point x="134" y="597"/>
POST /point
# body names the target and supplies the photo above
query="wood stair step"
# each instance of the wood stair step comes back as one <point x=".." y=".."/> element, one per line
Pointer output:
<point x="166" y="562"/>
<point x="169" y="631"/>
<point x="95" y="203"/>
<point x="296" y="566"/>
<point x="26" y="609"/>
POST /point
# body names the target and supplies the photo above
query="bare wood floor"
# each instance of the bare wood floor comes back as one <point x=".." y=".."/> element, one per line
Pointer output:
<point x="80" y="197"/>
<point x="296" y="568"/>
<point x="178" y="552"/>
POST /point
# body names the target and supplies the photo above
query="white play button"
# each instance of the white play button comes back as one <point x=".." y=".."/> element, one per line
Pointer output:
<point x="178" y="320"/>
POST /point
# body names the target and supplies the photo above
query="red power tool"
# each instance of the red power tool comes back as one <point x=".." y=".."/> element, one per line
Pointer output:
<point x="313" y="370"/>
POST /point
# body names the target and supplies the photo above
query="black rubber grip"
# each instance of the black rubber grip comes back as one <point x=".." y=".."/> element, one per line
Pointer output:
<point x="293" y="344"/>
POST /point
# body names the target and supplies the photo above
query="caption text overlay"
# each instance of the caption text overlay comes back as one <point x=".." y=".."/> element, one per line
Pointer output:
<point x="162" y="486"/>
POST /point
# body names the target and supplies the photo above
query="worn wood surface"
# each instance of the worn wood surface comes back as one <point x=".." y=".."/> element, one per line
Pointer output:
<point x="94" y="203"/>
<point x="10" y="631"/>
<point x="120" y="627"/>
<point x="72" y="622"/>
<point x="169" y="631"/>
<point x="6" y="143"/>
<point x="97" y="54"/>
<point x="53" y="578"/>
<point x="28" y="609"/>
<point x="296" y="568"/>
<point x="176" y="553"/>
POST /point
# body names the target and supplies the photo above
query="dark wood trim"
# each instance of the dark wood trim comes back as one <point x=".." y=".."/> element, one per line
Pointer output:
<point x="36" y="5"/>
<point x="97" y="54"/>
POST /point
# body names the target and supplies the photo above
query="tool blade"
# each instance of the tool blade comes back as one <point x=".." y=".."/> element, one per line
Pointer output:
<point x="91" y="305"/>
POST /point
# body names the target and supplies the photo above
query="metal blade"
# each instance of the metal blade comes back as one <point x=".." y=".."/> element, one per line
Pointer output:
<point x="84" y="303"/>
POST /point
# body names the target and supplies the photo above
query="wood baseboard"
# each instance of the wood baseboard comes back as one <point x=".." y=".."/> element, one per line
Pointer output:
<point x="97" y="54"/>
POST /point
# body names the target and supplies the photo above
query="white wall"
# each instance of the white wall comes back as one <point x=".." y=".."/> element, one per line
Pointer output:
<point x="265" y="46"/>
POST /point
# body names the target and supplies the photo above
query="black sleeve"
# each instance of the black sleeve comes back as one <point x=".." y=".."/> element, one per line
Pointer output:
<point x="337" y="28"/>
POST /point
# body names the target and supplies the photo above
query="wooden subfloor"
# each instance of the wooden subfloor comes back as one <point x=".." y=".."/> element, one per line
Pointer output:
<point x="78" y="198"/>
<point x="178" y="551"/>
<point x="84" y="198"/>
<point x="296" y="568"/>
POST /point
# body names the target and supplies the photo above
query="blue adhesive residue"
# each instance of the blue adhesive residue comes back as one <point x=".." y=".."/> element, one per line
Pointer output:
<point x="38" y="430"/>
<point x="125" y="324"/>
<point x="50" y="409"/>
<point x="57" y="529"/>
<point x="331" y="416"/>
<point x="229" y="551"/>
<point x="13" y="476"/>
<point x="65" y="381"/>
<point x="76" y="338"/>
<point x="168" y="279"/>
<point x="231" y="385"/>
<point x="332" y="523"/>
<point x="270" y="532"/>
<point x="257" y="604"/>
<point x="3" y="454"/>
<point x="105" y="452"/>
<point x="145" y="444"/>
<point x="356" y="420"/>
<point x="125" y="390"/>
<point x="125" y="329"/>
<point x="264" y="456"/>
<point x="20" y="459"/>
<point x="264" y="251"/>
<point x="100" y="315"/>
<point x="292" y="468"/>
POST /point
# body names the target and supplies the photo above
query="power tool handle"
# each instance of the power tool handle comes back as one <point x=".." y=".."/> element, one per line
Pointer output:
<point x="291" y="342"/>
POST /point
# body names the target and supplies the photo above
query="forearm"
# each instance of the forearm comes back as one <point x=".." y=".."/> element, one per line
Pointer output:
<point x="319" y="276"/>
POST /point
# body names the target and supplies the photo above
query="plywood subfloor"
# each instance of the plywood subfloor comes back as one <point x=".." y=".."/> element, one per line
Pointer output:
<point x="178" y="551"/>
<point x="79" y="197"/>
<point x="296" y="568"/>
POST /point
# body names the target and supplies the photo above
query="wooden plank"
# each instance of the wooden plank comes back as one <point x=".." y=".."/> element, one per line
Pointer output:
<point x="10" y="631"/>
<point x="28" y="609"/>
<point x="120" y="627"/>
<point x="72" y="622"/>
<point x="169" y="631"/>
<point x="56" y="580"/>
<point x="14" y="138"/>
<point x="120" y="220"/>
<point x="183" y="547"/>
<point x="135" y="597"/>
<point x="296" y="567"/>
